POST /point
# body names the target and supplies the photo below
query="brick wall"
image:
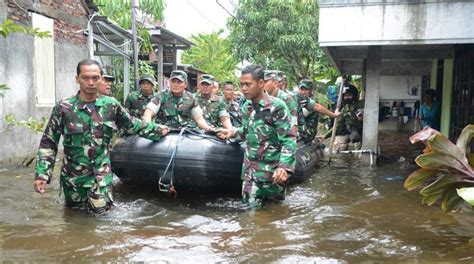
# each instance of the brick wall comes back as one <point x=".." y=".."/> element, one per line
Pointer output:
<point x="70" y="17"/>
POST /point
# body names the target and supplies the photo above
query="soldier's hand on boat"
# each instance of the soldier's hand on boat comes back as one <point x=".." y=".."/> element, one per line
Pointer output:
<point x="164" y="130"/>
<point x="40" y="186"/>
<point x="225" y="133"/>
<point x="280" y="176"/>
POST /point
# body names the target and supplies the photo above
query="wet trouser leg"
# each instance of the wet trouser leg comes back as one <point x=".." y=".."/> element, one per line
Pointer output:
<point x="256" y="194"/>
<point x="95" y="197"/>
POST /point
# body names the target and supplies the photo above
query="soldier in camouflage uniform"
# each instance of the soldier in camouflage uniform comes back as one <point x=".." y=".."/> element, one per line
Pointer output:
<point x="349" y="126"/>
<point x="308" y="111"/>
<point x="270" y="141"/>
<point x="272" y="87"/>
<point x="176" y="107"/>
<point x="105" y="88"/>
<point x="233" y="107"/>
<point x="87" y="121"/>
<point x="137" y="101"/>
<point x="213" y="107"/>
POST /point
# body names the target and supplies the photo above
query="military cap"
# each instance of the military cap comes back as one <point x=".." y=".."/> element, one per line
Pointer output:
<point x="271" y="74"/>
<point x="281" y="75"/>
<point x="109" y="77"/>
<point x="149" y="78"/>
<point x="306" y="83"/>
<point x="180" y="75"/>
<point x="206" y="78"/>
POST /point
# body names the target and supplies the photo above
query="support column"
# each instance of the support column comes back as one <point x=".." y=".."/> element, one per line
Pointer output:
<point x="126" y="72"/>
<point x="447" y="96"/>
<point x="175" y="58"/>
<point x="159" y="64"/>
<point x="371" y="109"/>
<point x="90" y="40"/>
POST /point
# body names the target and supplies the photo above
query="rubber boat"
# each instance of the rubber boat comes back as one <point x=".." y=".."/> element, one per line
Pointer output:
<point x="194" y="161"/>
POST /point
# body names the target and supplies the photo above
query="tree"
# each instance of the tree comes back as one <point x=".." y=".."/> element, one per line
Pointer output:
<point x="280" y="34"/>
<point x="212" y="54"/>
<point x="119" y="11"/>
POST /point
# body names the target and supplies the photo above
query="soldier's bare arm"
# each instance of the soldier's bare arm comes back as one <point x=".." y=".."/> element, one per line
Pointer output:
<point x="323" y="110"/>
<point x="225" y="120"/>
<point x="148" y="115"/>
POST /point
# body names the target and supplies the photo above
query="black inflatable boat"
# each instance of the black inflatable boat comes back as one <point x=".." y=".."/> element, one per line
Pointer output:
<point x="195" y="161"/>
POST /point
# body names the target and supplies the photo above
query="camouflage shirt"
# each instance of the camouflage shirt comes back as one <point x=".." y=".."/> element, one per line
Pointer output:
<point x="175" y="111"/>
<point x="213" y="109"/>
<point x="136" y="103"/>
<point x="270" y="138"/>
<point x="291" y="103"/>
<point x="87" y="129"/>
<point x="348" y="120"/>
<point x="233" y="108"/>
<point x="306" y="128"/>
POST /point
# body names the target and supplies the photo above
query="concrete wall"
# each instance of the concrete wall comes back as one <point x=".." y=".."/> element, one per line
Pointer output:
<point x="16" y="70"/>
<point x="395" y="22"/>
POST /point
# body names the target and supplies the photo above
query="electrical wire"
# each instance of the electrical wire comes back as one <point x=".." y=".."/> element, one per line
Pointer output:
<point x="205" y="17"/>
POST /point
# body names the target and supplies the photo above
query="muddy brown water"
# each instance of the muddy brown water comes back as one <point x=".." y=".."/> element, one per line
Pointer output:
<point x="346" y="212"/>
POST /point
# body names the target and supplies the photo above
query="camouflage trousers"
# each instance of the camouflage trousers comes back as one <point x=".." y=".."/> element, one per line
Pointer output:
<point x="85" y="192"/>
<point x="257" y="194"/>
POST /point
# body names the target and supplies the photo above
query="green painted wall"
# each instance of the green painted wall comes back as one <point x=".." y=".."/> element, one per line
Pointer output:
<point x="447" y="96"/>
<point x="434" y="70"/>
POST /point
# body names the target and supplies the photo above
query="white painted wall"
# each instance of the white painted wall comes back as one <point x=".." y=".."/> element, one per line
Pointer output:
<point x="381" y="24"/>
<point x="398" y="88"/>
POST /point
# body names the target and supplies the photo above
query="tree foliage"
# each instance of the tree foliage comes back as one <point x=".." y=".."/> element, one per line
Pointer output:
<point x="119" y="11"/>
<point x="280" y="34"/>
<point x="213" y="55"/>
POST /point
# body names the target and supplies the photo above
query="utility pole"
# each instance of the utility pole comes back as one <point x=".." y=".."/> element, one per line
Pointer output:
<point x="135" y="43"/>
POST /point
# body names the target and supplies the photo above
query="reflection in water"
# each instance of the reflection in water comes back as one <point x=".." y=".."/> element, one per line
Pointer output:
<point x="346" y="212"/>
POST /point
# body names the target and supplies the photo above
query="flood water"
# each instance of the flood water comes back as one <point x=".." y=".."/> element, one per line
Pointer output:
<point x="347" y="212"/>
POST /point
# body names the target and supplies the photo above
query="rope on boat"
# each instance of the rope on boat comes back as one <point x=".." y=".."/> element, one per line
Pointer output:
<point x="169" y="187"/>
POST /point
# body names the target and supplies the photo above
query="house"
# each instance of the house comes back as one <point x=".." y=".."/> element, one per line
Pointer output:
<point x="402" y="48"/>
<point x="38" y="71"/>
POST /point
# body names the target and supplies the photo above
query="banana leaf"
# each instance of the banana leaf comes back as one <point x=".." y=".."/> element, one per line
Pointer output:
<point x="467" y="194"/>
<point x="446" y="173"/>
<point x="418" y="178"/>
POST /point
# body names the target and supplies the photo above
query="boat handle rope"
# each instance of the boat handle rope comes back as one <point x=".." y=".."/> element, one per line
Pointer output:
<point x="169" y="187"/>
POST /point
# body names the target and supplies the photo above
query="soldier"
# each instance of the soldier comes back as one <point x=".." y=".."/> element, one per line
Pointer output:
<point x="87" y="121"/>
<point x="213" y="108"/>
<point x="176" y="107"/>
<point x="308" y="111"/>
<point x="233" y="107"/>
<point x="270" y="141"/>
<point x="137" y="101"/>
<point x="349" y="126"/>
<point x="105" y="87"/>
<point x="272" y="87"/>
<point x="216" y="88"/>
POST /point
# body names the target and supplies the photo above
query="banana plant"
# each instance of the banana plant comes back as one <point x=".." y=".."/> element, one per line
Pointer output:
<point x="446" y="172"/>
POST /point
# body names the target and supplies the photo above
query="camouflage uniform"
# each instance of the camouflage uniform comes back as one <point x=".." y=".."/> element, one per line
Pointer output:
<point x="291" y="103"/>
<point x="86" y="174"/>
<point x="136" y="103"/>
<point x="349" y="127"/>
<point x="213" y="109"/>
<point x="233" y="108"/>
<point x="271" y="144"/>
<point x="307" y="118"/>
<point x="175" y="111"/>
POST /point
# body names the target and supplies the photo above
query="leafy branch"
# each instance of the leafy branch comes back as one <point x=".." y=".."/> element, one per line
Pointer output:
<point x="31" y="123"/>
<point x="8" y="27"/>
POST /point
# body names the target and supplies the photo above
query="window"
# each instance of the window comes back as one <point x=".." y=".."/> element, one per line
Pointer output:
<point x="44" y="73"/>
